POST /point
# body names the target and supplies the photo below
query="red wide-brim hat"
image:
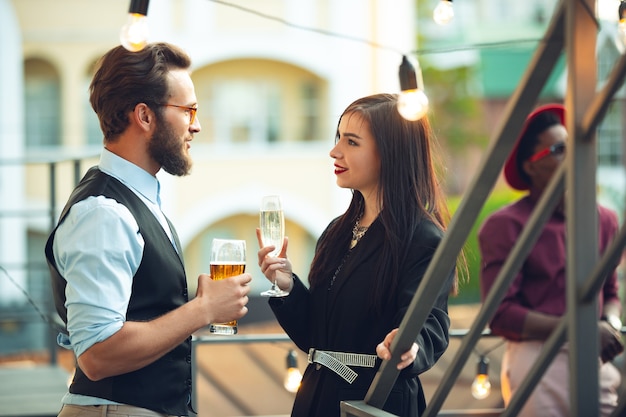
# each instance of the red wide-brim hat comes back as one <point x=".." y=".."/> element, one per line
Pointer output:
<point x="511" y="173"/>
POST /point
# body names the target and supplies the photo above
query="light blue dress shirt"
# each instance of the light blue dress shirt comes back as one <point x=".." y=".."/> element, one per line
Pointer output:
<point x="98" y="249"/>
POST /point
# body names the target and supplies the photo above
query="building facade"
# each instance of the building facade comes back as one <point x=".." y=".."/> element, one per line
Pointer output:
<point x="271" y="78"/>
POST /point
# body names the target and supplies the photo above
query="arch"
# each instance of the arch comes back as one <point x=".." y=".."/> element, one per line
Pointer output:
<point x="235" y="215"/>
<point x="283" y="102"/>
<point x="216" y="207"/>
<point x="93" y="133"/>
<point x="42" y="101"/>
<point x="12" y="191"/>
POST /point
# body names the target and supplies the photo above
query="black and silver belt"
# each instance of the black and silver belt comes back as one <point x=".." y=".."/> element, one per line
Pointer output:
<point x="338" y="362"/>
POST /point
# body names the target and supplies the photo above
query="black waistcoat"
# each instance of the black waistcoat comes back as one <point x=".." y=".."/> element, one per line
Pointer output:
<point x="158" y="286"/>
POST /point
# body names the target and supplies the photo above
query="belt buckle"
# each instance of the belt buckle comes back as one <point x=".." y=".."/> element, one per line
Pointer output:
<point x="311" y="359"/>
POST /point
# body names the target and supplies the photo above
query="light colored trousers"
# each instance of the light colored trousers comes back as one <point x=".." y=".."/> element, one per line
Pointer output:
<point x="550" y="398"/>
<point x="107" y="411"/>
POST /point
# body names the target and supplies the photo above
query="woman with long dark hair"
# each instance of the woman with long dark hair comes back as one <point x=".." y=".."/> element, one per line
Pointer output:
<point x="368" y="265"/>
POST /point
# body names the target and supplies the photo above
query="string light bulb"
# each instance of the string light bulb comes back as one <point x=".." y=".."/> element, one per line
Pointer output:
<point x="412" y="102"/>
<point x="444" y="12"/>
<point x="621" y="24"/>
<point x="481" y="387"/>
<point x="293" y="376"/>
<point x="134" y="34"/>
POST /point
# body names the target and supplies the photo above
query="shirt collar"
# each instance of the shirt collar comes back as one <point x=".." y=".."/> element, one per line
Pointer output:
<point x="559" y="210"/>
<point x="130" y="175"/>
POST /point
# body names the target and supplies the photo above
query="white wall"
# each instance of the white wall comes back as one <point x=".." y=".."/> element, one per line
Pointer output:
<point x="12" y="229"/>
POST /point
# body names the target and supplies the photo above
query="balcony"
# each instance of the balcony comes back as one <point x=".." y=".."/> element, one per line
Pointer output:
<point x="241" y="375"/>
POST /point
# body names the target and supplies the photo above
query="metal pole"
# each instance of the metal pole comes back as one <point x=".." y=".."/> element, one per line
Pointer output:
<point x="52" y="346"/>
<point x="77" y="175"/>
<point x="581" y="212"/>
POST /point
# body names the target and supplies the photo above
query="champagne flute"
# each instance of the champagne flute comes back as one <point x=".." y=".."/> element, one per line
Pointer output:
<point x="228" y="258"/>
<point x="272" y="222"/>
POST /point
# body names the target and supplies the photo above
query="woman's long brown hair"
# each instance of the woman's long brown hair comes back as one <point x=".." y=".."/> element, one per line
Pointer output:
<point x="408" y="186"/>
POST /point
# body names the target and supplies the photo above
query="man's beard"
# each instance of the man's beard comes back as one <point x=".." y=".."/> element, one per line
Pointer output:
<point x="168" y="151"/>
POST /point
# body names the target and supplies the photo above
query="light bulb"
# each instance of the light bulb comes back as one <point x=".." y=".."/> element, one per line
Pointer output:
<point x="481" y="387"/>
<point x="292" y="380"/>
<point x="621" y="25"/>
<point x="134" y="34"/>
<point x="412" y="102"/>
<point x="444" y="12"/>
<point x="293" y="377"/>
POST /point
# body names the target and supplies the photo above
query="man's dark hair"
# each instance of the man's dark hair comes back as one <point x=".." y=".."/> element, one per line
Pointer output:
<point x="526" y="148"/>
<point x="124" y="79"/>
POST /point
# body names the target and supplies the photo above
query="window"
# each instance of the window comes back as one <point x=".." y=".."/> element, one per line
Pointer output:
<point x="275" y="103"/>
<point x="609" y="138"/>
<point x="42" y="104"/>
<point x="245" y="111"/>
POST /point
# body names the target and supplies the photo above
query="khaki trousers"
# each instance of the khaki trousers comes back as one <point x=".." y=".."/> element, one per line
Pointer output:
<point x="550" y="398"/>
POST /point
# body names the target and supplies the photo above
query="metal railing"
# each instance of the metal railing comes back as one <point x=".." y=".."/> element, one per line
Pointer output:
<point x="468" y="337"/>
<point x="200" y="340"/>
<point x="214" y="340"/>
<point x="52" y="159"/>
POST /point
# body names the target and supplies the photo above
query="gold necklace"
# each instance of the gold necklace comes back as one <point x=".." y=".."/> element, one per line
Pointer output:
<point x="357" y="233"/>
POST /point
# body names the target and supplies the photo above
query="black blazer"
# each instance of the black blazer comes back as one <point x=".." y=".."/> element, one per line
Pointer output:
<point x="341" y="319"/>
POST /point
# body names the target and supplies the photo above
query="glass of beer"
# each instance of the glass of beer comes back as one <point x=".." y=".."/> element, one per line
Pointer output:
<point x="228" y="258"/>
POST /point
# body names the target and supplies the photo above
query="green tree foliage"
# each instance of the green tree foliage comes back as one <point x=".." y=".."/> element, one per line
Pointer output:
<point x="456" y="114"/>
<point x="469" y="282"/>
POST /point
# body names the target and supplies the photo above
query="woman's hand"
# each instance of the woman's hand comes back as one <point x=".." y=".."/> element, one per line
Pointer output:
<point x="383" y="351"/>
<point x="275" y="268"/>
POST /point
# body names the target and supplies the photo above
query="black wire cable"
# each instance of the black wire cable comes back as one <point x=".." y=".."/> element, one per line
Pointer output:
<point x="504" y="43"/>
<point x="306" y="28"/>
<point x="43" y="316"/>
<point x="470" y="47"/>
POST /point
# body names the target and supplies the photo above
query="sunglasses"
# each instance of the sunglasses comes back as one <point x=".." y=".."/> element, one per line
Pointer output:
<point x="556" y="150"/>
<point x="191" y="110"/>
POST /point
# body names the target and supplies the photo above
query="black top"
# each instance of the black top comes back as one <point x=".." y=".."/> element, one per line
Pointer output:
<point x="341" y="319"/>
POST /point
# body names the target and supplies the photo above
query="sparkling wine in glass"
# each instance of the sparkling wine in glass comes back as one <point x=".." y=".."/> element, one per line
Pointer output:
<point x="272" y="225"/>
